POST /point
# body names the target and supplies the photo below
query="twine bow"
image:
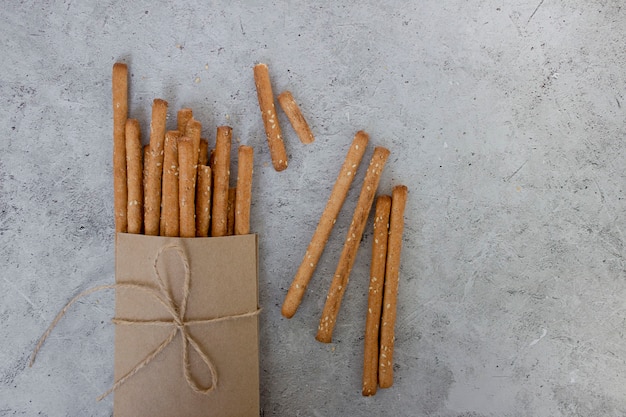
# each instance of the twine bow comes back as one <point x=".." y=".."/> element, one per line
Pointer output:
<point x="178" y="323"/>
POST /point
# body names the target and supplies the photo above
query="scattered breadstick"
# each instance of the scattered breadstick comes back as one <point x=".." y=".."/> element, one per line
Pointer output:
<point x="230" y="221"/>
<point x="244" y="190"/>
<point x="221" y="178"/>
<point x="388" y="322"/>
<point x="186" y="186"/>
<point x="203" y="156"/>
<point x="193" y="131"/>
<point x="270" y="119"/>
<point x="170" y="215"/>
<point x="152" y="197"/>
<point x="134" y="168"/>
<point x="146" y="162"/>
<point x="297" y="120"/>
<point x="325" y="226"/>
<point x="203" y="201"/>
<point x="183" y="117"/>
<point x="120" y="114"/>
<point x="375" y="295"/>
<point x="351" y="246"/>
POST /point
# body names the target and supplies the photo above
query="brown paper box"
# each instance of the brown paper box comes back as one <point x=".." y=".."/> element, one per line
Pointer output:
<point x="223" y="282"/>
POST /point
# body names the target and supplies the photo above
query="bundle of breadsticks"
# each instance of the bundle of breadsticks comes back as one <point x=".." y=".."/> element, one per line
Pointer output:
<point x="384" y="268"/>
<point x="174" y="186"/>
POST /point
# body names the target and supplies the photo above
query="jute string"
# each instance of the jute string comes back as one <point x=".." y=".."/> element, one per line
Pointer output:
<point x="178" y="323"/>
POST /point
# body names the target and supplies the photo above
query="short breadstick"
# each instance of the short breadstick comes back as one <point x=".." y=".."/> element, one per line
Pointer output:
<point x="203" y="201"/>
<point x="120" y="114"/>
<point x="221" y="178"/>
<point x="186" y="186"/>
<point x="375" y="295"/>
<point x="203" y="156"/>
<point x="244" y="190"/>
<point x="230" y="221"/>
<point x="351" y="246"/>
<point x="193" y="131"/>
<point x="170" y="215"/>
<point x="325" y="226"/>
<point x="183" y="117"/>
<point x="152" y="198"/>
<point x="388" y="322"/>
<point x="134" y="169"/>
<point x="270" y="120"/>
<point x="299" y="124"/>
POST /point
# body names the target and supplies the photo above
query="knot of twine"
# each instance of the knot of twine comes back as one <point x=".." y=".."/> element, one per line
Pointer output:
<point x="177" y="321"/>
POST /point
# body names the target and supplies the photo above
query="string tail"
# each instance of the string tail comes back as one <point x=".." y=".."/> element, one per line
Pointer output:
<point x="59" y="316"/>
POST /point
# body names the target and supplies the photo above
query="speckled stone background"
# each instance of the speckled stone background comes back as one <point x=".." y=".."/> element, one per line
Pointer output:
<point x="505" y="119"/>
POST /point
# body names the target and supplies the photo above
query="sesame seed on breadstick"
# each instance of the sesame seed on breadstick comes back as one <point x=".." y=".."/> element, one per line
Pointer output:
<point x="351" y="245"/>
<point x="327" y="221"/>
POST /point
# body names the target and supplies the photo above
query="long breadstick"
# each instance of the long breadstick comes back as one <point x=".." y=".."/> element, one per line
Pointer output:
<point x="120" y="114"/>
<point x="325" y="226"/>
<point x="170" y="216"/>
<point x="221" y="178"/>
<point x="134" y="167"/>
<point x="203" y="201"/>
<point x="297" y="120"/>
<point x="270" y="120"/>
<point x="203" y="156"/>
<point x="182" y="118"/>
<point x="375" y="297"/>
<point x="186" y="186"/>
<point x="152" y="197"/>
<point x="351" y="246"/>
<point x="244" y="190"/>
<point x="388" y="322"/>
<point x="230" y="221"/>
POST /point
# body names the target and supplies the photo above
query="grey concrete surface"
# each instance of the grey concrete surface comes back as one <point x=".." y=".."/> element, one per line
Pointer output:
<point x="505" y="119"/>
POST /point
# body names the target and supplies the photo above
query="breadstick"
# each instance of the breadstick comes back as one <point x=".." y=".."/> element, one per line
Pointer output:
<point x="270" y="120"/>
<point x="212" y="160"/>
<point x="297" y="120"/>
<point x="203" y="156"/>
<point x="183" y="117"/>
<point x="134" y="166"/>
<point x="186" y="186"/>
<point x="221" y="178"/>
<point x="375" y="297"/>
<point x="230" y="221"/>
<point x="152" y="197"/>
<point x="170" y="215"/>
<point x="351" y="246"/>
<point x="388" y="322"/>
<point x="120" y="114"/>
<point x="193" y="131"/>
<point x="244" y="190"/>
<point x="325" y="226"/>
<point x="203" y="201"/>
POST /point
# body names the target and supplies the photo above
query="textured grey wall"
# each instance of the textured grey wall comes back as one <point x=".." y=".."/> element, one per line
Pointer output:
<point x="505" y="119"/>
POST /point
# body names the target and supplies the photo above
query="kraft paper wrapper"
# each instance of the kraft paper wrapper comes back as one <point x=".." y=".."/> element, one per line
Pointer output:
<point x="223" y="283"/>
